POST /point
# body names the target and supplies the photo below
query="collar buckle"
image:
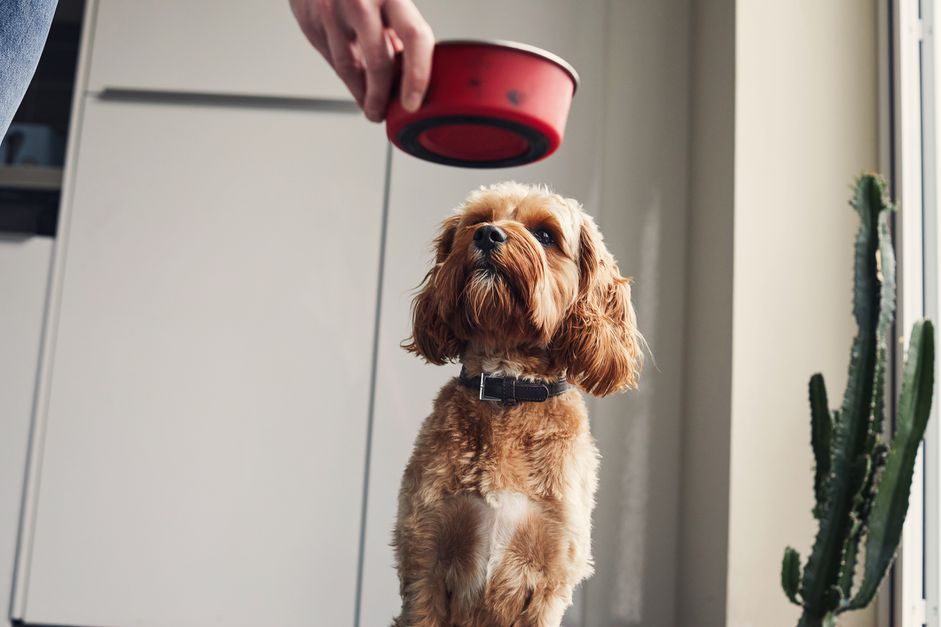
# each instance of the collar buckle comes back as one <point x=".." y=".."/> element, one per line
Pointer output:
<point x="483" y="394"/>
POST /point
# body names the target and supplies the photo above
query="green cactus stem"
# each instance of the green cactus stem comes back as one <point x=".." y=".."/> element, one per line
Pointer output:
<point x="850" y="432"/>
<point x="791" y="574"/>
<point x="861" y="487"/>
<point x="891" y="501"/>
<point x="820" y="434"/>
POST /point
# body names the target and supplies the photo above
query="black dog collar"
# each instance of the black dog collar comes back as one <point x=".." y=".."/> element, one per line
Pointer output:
<point x="510" y="390"/>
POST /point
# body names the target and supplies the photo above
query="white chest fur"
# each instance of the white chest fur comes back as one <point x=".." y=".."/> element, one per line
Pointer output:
<point x="501" y="515"/>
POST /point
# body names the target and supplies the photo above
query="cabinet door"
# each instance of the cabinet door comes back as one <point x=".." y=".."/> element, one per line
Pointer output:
<point x="206" y="397"/>
<point x="249" y="47"/>
<point x="420" y="196"/>
<point x="24" y="276"/>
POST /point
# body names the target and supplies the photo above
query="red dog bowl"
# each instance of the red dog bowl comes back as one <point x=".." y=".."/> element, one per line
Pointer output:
<point x="489" y="105"/>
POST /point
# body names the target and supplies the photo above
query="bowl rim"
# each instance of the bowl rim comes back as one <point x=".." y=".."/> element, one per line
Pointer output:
<point x="539" y="145"/>
<point x="515" y="45"/>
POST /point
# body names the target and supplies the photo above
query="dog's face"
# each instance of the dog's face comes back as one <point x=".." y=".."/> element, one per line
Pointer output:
<point x="521" y="269"/>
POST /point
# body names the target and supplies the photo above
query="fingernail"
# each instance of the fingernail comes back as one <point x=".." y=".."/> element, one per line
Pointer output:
<point x="412" y="101"/>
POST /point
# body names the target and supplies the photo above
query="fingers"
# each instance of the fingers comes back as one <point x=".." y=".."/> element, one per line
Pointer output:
<point x="418" y="42"/>
<point x="342" y="57"/>
<point x="377" y="54"/>
<point x="311" y="27"/>
<point x="361" y="47"/>
<point x="397" y="44"/>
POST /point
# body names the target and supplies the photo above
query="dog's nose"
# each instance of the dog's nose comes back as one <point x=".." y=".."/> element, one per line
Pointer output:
<point x="488" y="237"/>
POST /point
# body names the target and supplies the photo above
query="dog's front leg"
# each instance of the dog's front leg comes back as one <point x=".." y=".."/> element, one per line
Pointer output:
<point x="424" y="604"/>
<point x="532" y="584"/>
<point x="421" y="580"/>
<point x="442" y="562"/>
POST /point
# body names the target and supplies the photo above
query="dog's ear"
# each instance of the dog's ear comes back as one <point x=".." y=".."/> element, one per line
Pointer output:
<point x="432" y="338"/>
<point x="598" y="342"/>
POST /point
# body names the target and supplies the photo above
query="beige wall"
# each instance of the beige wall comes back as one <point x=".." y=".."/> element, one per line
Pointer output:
<point x="805" y="125"/>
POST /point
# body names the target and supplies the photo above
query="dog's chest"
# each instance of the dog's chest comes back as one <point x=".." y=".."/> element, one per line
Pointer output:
<point x="502" y="456"/>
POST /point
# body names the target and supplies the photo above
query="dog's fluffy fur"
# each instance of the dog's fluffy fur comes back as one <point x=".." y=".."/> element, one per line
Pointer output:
<point x="494" y="523"/>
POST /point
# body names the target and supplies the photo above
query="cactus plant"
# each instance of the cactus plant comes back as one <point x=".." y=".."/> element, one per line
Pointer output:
<point x="861" y="486"/>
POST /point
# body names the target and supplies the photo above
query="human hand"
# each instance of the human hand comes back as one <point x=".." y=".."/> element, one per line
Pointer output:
<point x="359" y="38"/>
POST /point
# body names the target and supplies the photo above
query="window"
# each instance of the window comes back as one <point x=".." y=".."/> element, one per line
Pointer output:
<point x="913" y="167"/>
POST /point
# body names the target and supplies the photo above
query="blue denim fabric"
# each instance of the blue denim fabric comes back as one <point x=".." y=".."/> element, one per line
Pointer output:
<point x="24" y="25"/>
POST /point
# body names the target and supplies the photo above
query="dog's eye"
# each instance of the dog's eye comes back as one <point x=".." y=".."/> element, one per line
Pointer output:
<point x="544" y="237"/>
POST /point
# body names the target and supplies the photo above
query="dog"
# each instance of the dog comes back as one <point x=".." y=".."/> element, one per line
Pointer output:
<point x="494" y="520"/>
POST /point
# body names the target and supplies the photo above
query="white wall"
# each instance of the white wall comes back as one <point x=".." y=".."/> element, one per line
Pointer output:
<point x="643" y="215"/>
<point x="783" y="116"/>
<point x="805" y="125"/>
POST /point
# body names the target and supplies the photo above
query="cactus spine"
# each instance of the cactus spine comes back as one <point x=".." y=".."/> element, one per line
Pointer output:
<point x="861" y="486"/>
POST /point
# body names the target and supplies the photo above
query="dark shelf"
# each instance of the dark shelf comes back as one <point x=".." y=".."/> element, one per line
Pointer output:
<point x="29" y="211"/>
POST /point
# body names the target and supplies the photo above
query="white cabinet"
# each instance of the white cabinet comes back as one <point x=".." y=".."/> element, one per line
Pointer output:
<point x="248" y="47"/>
<point x="205" y="399"/>
<point x="24" y="275"/>
<point x="421" y="195"/>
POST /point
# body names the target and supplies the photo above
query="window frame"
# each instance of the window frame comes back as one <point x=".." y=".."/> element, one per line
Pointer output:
<point x="909" y="76"/>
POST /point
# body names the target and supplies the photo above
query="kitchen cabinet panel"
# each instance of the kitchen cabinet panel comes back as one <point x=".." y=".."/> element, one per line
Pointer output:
<point x="24" y="276"/>
<point x="249" y="47"/>
<point x="205" y="404"/>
